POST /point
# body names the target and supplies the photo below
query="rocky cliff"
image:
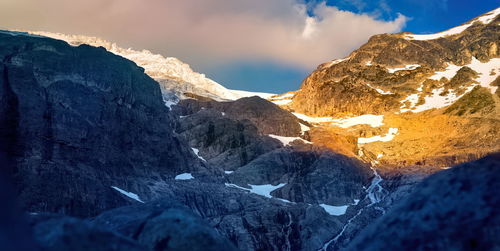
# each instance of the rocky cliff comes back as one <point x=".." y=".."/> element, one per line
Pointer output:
<point x="77" y="121"/>
<point x="454" y="209"/>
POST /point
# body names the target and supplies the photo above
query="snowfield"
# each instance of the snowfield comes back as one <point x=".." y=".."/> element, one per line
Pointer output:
<point x="167" y="70"/>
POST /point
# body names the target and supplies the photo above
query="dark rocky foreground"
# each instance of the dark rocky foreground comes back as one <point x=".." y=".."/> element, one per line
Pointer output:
<point x="77" y="121"/>
<point x="456" y="209"/>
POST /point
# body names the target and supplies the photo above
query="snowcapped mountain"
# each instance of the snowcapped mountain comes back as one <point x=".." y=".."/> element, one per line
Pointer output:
<point x="175" y="77"/>
<point x="406" y="72"/>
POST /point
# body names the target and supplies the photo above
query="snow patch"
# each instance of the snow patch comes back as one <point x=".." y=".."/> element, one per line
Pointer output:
<point x="128" y="194"/>
<point x="489" y="17"/>
<point x="406" y="68"/>
<point x="244" y="94"/>
<point x="184" y="176"/>
<point x="485" y="71"/>
<point x="197" y="152"/>
<point x="334" y="62"/>
<point x="228" y="172"/>
<point x="287" y="140"/>
<point x="367" y="119"/>
<point x="262" y="190"/>
<point x="450" y="71"/>
<point x="304" y="128"/>
<point x="380" y="90"/>
<point x="334" y="210"/>
<point x="169" y="103"/>
<point x="450" y="32"/>
<point x="282" y="101"/>
<point x="388" y="137"/>
<point x="436" y="101"/>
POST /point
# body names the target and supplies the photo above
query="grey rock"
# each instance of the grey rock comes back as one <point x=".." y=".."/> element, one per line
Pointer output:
<point x="312" y="175"/>
<point x="163" y="225"/>
<point x="56" y="232"/>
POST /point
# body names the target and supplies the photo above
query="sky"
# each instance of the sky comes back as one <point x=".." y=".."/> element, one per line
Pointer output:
<point x="256" y="45"/>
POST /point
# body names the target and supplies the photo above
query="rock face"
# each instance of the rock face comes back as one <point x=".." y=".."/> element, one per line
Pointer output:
<point x="266" y="116"/>
<point x="314" y="176"/>
<point x="231" y="134"/>
<point x="454" y="209"/>
<point x="78" y="120"/>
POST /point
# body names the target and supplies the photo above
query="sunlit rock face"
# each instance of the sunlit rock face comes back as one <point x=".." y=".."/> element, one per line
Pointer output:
<point x="437" y="96"/>
<point x="382" y="75"/>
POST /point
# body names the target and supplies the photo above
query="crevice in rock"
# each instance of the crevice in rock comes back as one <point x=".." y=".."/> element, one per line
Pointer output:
<point x="9" y="121"/>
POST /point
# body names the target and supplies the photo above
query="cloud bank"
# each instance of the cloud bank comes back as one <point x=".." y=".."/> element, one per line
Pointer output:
<point x="208" y="32"/>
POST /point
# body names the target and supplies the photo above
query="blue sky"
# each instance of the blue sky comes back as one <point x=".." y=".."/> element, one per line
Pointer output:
<point x="424" y="16"/>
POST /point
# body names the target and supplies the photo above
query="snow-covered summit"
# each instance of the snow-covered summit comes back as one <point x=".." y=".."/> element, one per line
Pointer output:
<point x="174" y="76"/>
<point x="484" y="19"/>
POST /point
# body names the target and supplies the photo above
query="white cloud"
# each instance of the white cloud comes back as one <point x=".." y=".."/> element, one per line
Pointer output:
<point x="208" y="32"/>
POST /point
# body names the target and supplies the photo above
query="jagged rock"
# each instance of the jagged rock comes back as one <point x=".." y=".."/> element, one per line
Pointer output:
<point x="163" y="225"/>
<point x="224" y="142"/>
<point x="266" y="116"/>
<point x="251" y="221"/>
<point x="56" y="232"/>
<point x="453" y="209"/>
<point x="311" y="176"/>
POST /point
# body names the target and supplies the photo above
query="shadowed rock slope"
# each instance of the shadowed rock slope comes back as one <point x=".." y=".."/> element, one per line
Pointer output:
<point x="456" y="209"/>
<point x="75" y="121"/>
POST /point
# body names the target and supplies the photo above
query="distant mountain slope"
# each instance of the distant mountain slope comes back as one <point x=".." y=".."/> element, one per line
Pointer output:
<point x="405" y="99"/>
<point x="172" y="74"/>
<point x="406" y="72"/>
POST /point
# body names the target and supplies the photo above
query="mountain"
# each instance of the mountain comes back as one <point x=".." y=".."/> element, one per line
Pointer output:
<point x="428" y="100"/>
<point x="174" y="76"/>
<point x="405" y="72"/>
<point x="94" y="153"/>
<point x="113" y="149"/>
